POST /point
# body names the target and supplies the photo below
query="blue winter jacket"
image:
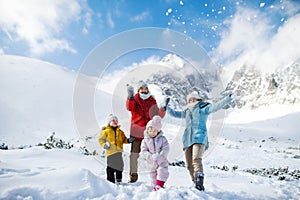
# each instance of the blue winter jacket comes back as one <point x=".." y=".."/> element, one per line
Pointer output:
<point x="196" y="131"/>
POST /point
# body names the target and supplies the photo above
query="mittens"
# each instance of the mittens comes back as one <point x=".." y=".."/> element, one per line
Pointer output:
<point x="155" y="156"/>
<point x="130" y="91"/>
<point x="106" y="145"/>
<point x="131" y="139"/>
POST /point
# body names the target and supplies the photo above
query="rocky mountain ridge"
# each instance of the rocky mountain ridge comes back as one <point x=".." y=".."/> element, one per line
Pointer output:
<point x="251" y="87"/>
<point x="254" y="88"/>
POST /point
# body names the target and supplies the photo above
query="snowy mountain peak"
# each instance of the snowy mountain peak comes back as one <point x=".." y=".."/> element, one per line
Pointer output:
<point x="174" y="61"/>
<point x="256" y="89"/>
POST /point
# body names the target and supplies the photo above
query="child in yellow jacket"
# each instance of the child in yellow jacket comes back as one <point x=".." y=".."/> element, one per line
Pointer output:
<point x="112" y="139"/>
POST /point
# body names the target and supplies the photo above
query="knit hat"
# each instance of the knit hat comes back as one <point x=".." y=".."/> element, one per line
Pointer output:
<point x="155" y="122"/>
<point x="193" y="94"/>
<point x="141" y="84"/>
<point x="111" y="117"/>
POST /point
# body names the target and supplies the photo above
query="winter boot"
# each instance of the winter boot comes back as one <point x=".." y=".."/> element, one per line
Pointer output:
<point x="199" y="181"/>
<point x="119" y="181"/>
<point x="159" y="185"/>
<point x="133" y="177"/>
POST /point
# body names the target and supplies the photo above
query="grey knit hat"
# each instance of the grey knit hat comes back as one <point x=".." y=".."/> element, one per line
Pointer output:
<point x="141" y="84"/>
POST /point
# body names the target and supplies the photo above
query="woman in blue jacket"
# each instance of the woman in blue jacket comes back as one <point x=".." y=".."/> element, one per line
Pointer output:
<point x="195" y="140"/>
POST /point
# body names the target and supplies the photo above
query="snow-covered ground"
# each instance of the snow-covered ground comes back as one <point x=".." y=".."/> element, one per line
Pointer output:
<point x="37" y="173"/>
<point x="260" y="140"/>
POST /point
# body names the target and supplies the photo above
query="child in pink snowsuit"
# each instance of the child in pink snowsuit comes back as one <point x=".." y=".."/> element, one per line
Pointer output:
<point x="155" y="148"/>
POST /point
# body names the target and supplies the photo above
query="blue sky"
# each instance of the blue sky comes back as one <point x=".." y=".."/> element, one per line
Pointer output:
<point x="64" y="32"/>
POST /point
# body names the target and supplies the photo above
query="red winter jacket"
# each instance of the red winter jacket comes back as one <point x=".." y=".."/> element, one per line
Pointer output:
<point x="142" y="112"/>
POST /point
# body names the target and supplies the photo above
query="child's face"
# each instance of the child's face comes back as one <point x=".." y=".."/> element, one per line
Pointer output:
<point x="114" y="123"/>
<point x="152" y="132"/>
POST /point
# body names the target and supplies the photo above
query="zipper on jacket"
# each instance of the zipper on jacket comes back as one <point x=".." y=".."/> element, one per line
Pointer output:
<point x="115" y="131"/>
<point x="191" y="116"/>
<point x="115" y="137"/>
<point x="154" y="145"/>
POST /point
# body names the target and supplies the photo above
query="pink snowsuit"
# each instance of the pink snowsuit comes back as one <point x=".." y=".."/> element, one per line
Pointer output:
<point x="160" y="145"/>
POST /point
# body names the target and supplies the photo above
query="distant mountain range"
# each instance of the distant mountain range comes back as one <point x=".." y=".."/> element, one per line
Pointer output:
<point x="256" y="89"/>
<point x="251" y="87"/>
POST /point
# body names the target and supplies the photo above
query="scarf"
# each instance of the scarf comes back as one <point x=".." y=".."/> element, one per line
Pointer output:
<point x="191" y="106"/>
<point x="145" y="96"/>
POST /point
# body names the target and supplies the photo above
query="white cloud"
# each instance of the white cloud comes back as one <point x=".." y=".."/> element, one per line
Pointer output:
<point x="246" y="32"/>
<point x="39" y="23"/>
<point x="284" y="48"/>
<point x="138" y="18"/>
<point x="99" y="19"/>
<point x="88" y="21"/>
<point x="253" y="40"/>
<point x="110" y="21"/>
<point x="85" y="31"/>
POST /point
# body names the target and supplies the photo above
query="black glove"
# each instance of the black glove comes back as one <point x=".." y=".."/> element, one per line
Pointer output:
<point x="131" y="139"/>
<point x="130" y="91"/>
<point x="167" y="100"/>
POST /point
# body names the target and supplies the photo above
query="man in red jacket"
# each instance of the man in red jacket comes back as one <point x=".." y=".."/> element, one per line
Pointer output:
<point x="143" y="107"/>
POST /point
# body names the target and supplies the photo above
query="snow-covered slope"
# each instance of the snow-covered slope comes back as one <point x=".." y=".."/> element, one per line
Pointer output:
<point x="249" y="162"/>
<point x="36" y="100"/>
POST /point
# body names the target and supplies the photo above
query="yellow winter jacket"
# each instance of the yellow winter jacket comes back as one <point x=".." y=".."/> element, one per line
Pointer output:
<point x="115" y="138"/>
